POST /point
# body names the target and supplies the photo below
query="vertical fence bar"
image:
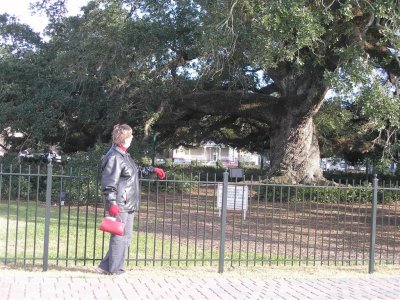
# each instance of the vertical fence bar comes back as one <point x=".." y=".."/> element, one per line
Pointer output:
<point x="172" y="220"/>
<point x="27" y="211"/>
<point x="70" y="181"/>
<point x="264" y="225"/>
<point x="309" y="225"/>
<point x="294" y="223"/>
<point x="324" y="217"/>
<point x="223" y="223"/>
<point x="36" y="213"/>
<point x="382" y="224"/>
<point x="351" y="226"/>
<point x="395" y="222"/>
<point x="163" y="223"/>
<point x="155" y="221"/>
<point x="47" y="217"/>
<point x="197" y="220"/>
<point x="257" y="220"/>
<point x="213" y="219"/>
<point x="78" y="208"/>
<point x="287" y="224"/>
<point x="241" y="225"/>
<point x="188" y="219"/>
<point x="86" y="220"/>
<point x="249" y="214"/>
<point x="373" y="226"/>
<point x="17" y="216"/>
<point x="147" y="222"/>
<point x="301" y="225"/>
<point x="8" y="215"/>
<point x="365" y="226"/>
<point x="232" y="254"/>
<point x="180" y="226"/>
<point x="272" y="225"/>
<point x="316" y="226"/>
<point x="96" y="207"/>
<point x="60" y="197"/>
<point x="205" y="220"/>
<point x="279" y="225"/>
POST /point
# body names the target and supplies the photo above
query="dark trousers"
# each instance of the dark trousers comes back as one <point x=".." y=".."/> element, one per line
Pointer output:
<point x="118" y="249"/>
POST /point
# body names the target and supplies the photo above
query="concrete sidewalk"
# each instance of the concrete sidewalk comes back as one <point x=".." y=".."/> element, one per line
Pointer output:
<point x="155" y="284"/>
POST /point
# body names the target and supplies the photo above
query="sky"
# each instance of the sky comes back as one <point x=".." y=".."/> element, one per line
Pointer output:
<point x="20" y="9"/>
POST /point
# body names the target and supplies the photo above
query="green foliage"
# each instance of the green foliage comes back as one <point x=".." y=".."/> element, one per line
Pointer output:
<point x="168" y="163"/>
<point x="77" y="175"/>
<point x="289" y="26"/>
<point x="219" y="164"/>
<point x="114" y="64"/>
<point x="379" y="106"/>
<point x="333" y="123"/>
<point x="339" y="194"/>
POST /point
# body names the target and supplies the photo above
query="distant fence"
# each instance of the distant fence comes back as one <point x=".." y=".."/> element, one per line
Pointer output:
<point x="52" y="218"/>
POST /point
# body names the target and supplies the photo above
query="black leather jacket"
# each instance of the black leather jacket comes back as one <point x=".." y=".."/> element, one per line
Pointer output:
<point x="120" y="179"/>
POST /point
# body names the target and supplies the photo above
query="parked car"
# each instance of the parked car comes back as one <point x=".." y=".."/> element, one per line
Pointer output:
<point x="179" y="161"/>
<point x="49" y="156"/>
<point x="160" y="161"/>
<point x="329" y="164"/>
<point x="210" y="163"/>
<point x="228" y="163"/>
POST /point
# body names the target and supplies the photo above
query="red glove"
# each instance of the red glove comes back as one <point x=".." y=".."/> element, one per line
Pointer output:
<point x="114" y="210"/>
<point x="160" y="173"/>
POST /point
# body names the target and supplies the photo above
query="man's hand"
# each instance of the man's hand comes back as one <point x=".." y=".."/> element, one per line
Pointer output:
<point x="160" y="173"/>
<point x="114" y="210"/>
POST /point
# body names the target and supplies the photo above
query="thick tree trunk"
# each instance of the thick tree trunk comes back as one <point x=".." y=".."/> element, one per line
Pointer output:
<point x="295" y="155"/>
<point x="294" y="149"/>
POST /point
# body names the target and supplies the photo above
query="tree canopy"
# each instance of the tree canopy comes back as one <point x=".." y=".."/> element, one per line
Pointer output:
<point x="249" y="73"/>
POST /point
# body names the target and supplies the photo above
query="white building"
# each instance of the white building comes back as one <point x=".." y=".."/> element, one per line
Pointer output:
<point x="210" y="152"/>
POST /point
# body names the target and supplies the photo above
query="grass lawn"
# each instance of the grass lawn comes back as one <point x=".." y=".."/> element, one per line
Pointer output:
<point x="75" y="240"/>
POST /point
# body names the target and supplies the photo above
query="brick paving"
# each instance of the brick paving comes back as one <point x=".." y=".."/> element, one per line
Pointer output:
<point x="50" y="285"/>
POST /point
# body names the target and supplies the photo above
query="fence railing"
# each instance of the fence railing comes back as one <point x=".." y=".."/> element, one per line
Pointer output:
<point x="52" y="218"/>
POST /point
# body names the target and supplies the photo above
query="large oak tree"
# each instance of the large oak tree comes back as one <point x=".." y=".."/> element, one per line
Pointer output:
<point x="302" y="48"/>
<point x="248" y="73"/>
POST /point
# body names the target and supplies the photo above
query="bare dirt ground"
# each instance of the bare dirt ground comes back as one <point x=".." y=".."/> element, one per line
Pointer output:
<point x="274" y="233"/>
<point x="294" y="232"/>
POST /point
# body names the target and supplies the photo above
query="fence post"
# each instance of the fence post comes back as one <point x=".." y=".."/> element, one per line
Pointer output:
<point x="47" y="216"/>
<point x="223" y="223"/>
<point x="373" y="226"/>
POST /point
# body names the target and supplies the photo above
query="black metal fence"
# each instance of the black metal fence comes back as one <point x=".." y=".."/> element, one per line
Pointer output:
<point x="52" y="218"/>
